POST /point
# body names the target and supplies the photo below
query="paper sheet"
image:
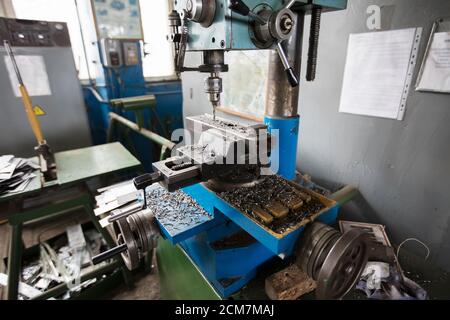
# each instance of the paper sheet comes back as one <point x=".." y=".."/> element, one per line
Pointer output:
<point x="436" y="72"/>
<point x="378" y="72"/>
<point x="34" y="75"/>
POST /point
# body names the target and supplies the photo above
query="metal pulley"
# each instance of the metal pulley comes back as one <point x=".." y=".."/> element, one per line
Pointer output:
<point x="136" y="235"/>
<point x="334" y="260"/>
<point x="271" y="28"/>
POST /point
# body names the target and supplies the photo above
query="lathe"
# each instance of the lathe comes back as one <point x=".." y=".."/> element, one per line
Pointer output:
<point x="222" y="200"/>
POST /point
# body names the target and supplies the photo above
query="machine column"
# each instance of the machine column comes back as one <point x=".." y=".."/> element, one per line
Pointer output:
<point x="282" y="103"/>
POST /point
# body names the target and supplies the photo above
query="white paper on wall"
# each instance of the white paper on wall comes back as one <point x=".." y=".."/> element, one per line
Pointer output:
<point x="379" y="71"/>
<point x="436" y="72"/>
<point x="33" y="72"/>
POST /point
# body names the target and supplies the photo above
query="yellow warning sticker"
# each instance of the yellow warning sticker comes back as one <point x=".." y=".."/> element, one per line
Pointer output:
<point x="39" y="111"/>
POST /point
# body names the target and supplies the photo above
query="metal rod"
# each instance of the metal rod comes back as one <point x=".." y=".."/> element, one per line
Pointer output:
<point x="313" y="44"/>
<point x="13" y="61"/>
<point x="60" y="289"/>
<point x="113" y="117"/>
<point x="28" y="104"/>
<point x="345" y="195"/>
<point x="283" y="57"/>
<point x="111" y="253"/>
<point x="14" y="262"/>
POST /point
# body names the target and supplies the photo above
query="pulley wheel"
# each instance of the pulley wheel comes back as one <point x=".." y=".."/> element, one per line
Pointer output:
<point x="309" y="238"/>
<point x="343" y="265"/>
<point x="131" y="256"/>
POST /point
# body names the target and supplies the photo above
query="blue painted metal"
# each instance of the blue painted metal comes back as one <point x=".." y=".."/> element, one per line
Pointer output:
<point x="227" y="269"/>
<point x="128" y="81"/>
<point x="233" y="33"/>
<point x="284" y="155"/>
<point x="278" y="244"/>
<point x="230" y="269"/>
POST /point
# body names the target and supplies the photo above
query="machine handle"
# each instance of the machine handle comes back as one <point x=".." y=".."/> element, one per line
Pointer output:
<point x="292" y="77"/>
<point x="290" y="73"/>
<point x="146" y="180"/>
<point x="241" y="8"/>
<point x="109" y="254"/>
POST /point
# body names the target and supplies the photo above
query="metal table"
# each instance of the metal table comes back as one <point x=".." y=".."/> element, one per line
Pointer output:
<point x="74" y="167"/>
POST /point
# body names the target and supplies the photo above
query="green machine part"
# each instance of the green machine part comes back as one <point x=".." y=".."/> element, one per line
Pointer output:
<point x="179" y="277"/>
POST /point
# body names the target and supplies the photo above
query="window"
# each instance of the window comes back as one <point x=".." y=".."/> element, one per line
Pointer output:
<point x="65" y="11"/>
<point x="159" y="61"/>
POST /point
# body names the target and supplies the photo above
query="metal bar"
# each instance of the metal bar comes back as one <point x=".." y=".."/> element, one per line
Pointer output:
<point x="28" y="104"/>
<point x="60" y="289"/>
<point x="108" y="254"/>
<point x="109" y="241"/>
<point x="97" y="95"/>
<point x="344" y="195"/>
<point x="142" y="131"/>
<point x="14" y="261"/>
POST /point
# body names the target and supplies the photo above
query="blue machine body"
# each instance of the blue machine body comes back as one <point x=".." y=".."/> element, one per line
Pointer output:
<point x="229" y="269"/>
<point x="285" y="134"/>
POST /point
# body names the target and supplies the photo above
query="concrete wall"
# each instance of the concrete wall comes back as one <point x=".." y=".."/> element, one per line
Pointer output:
<point x="402" y="168"/>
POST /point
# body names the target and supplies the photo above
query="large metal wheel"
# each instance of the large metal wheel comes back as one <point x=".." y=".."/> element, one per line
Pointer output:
<point x="343" y="266"/>
<point x="334" y="260"/>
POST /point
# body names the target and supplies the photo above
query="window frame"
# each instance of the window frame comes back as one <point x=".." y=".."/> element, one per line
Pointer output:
<point x="156" y="79"/>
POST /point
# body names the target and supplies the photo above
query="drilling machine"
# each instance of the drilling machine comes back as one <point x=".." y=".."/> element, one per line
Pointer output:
<point x="228" y="217"/>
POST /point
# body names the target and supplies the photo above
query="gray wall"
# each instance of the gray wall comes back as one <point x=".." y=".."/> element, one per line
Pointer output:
<point x="402" y="168"/>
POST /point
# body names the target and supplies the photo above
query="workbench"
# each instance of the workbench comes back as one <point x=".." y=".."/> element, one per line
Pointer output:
<point x="69" y="192"/>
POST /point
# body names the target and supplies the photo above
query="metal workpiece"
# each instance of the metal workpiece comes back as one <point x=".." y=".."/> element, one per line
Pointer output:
<point x="281" y="96"/>
<point x="205" y="122"/>
<point x="225" y="151"/>
<point x="334" y="260"/>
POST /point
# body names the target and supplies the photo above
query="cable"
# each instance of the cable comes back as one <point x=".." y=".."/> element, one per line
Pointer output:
<point x="417" y="240"/>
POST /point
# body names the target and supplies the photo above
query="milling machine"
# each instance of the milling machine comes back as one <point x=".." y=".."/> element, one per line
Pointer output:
<point x="215" y="199"/>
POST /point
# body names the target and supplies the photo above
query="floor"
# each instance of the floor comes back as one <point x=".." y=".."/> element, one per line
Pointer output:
<point x="146" y="287"/>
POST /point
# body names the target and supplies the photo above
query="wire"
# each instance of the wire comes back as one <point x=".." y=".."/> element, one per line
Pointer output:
<point x="417" y="240"/>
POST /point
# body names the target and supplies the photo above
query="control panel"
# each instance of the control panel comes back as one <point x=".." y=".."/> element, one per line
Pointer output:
<point x="31" y="33"/>
<point x="111" y="52"/>
<point x="118" y="52"/>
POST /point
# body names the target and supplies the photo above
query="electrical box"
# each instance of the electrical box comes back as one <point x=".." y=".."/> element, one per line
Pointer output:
<point x="130" y="52"/>
<point x="111" y="53"/>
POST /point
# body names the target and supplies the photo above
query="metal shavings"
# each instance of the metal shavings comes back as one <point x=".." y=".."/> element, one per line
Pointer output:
<point x="271" y="188"/>
<point x="176" y="211"/>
